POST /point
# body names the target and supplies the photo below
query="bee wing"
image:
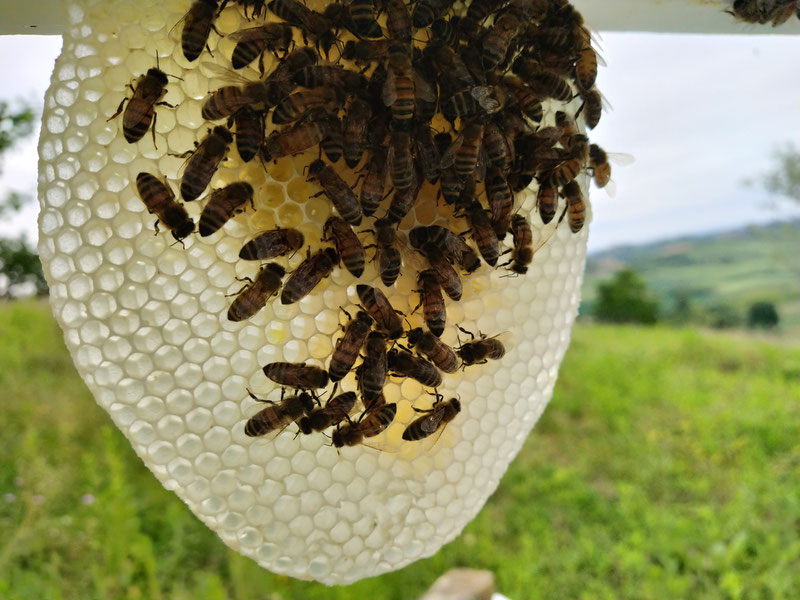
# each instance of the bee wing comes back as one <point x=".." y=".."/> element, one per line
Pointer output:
<point x="449" y="157"/>
<point x="423" y="89"/>
<point x="252" y="34"/>
<point x="485" y="97"/>
<point x="228" y="76"/>
<point x="611" y="188"/>
<point x="389" y="94"/>
<point x="621" y="158"/>
<point x="431" y="422"/>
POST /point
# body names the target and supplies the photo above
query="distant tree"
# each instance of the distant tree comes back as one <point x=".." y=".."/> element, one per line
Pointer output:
<point x="784" y="179"/>
<point x="624" y="299"/>
<point x="762" y="314"/>
<point x="19" y="263"/>
<point x="723" y="316"/>
<point x="682" y="310"/>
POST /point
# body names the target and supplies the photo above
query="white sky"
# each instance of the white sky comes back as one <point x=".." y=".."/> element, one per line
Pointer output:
<point x="698" y="112"/>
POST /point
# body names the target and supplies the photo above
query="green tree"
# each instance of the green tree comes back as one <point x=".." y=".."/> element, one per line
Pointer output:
<point x="19" y="263"/>
<point x="784" y="179"/>
<point x="723" y="316"/>
<point x="624" y="299"/>
<point x="762" y="314"/>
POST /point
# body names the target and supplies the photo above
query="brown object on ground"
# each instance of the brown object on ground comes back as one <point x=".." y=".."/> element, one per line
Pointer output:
<point x="462" y="584"/>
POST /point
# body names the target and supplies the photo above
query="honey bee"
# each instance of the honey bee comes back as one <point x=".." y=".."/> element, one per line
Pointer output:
<point x="398" y="91"/>
<point x="257" y="7"/>
<point x="365" y="52"/>
<point x="337" y="190"/>
<point x="292" y="140"/>
<point x="576" y="206"/>
<point x="450" y="70"/>
<point x="403" y="201"/>
<point x="372" y="371"/>
<point x="356" y="123"/>
<point x="453" y="246"/>
<point x="444" y="271"/>
<point x="495" y="143"/>
<point x="529" y="103"/>
<point x="401" y="161"/>
<point x="375" y="421"/>
<point x="308" y="21"/>
<point x="380" y="309"/>
<point x="481" y="350"/>
<point x="292" y="62"/>
<point x="566" y="171"/>
<point x="251" y="43"/>
<point x="432" y="420"/>
<point x="460" y="105"/>
<point x="598" y="162"/>
<point x="449" y="183"/>
<point x="230" y="99"/>
<point x="349" y="247"/>
<point x="297" y="375"/>
<point x="435" y="349"/>
<point x="295" y="105"/>
<point x="271" y="244"/>
<point x="249" y="132"/>
<point x="254" y="297"/>
<point x="586" y="68"/>
<point x="389" y="259"/>
<point x="362" y="15"/>
<point x="347" y="348"/>
<point x="546" y="200"/>
<point x="204" y="162"/>
<point x="592" y="107"/>
<point x="333" y="142"/>
<point x="522" y="254"/>
<point x="406" y="364"/>
<point x="542" y="82"/>
<point x="140" y="113"/>
<point x="447" y="31"/>
<point x="197" y="24"/>
<point x="223" y="204"/>
<point x="335" y="410"/>
<point x="398" y="20"/>
<point x="483" y="233"/>
<point x="433" y="308"/>
<point x="501" y="201"/>
<point x="329" y="76"/>
<point x="278" y="415"/>
<point x="427" y="11"/>
<point x="463" y="154"/>
<point x="160" y="201"/>
<point x="427" y="154"/>
<point x="374" y="182"/>
<point x="307" y="276"/>
<point x="499" y="37"/>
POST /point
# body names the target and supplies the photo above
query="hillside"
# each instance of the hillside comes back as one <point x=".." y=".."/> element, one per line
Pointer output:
<point x="735" y="268"/>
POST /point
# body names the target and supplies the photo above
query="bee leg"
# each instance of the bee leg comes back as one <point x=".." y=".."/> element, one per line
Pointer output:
<point x="472" y="335"/>
<point x="254" y="397"/>
<point x="156" y="227"/>
<point x="261" y="64"/>
<point x="119" y="109"/>
<point x="335" y="387"/>
<point x="349" y="316"/>
<point x="153" y="130"/>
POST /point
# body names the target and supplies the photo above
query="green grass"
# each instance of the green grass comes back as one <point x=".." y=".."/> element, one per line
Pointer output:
<point x="667" y="466"/>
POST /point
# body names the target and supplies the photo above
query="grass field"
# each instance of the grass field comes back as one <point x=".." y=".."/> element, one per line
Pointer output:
<point x="667" y="466"/>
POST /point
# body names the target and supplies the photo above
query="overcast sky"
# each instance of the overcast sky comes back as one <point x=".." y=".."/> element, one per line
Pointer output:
<point x="698" y="113"/>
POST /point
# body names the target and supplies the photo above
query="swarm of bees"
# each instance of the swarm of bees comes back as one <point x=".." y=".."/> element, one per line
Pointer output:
<point x="403" y="104"/>
<point x="762" y="12"/>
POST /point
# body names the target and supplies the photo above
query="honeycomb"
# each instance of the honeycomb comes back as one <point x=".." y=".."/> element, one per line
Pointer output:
<point x="145" y="321"/>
